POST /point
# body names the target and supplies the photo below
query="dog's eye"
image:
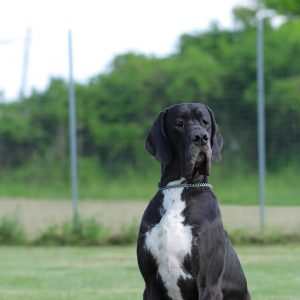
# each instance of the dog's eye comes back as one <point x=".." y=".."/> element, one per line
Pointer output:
<point x="179" y="124"/>
<point x="204" y="122"/>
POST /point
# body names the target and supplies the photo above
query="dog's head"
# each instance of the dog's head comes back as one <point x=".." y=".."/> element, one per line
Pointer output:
<point x="185" y="138"/>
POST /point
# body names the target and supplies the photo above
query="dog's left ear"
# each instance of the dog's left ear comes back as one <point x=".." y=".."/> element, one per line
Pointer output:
<point x="157" y="142"/>
<point x="216" y="138"/>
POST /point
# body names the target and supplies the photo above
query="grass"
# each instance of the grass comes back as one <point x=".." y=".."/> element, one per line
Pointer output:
<point x="65" y="273"/>
<point x="241" y="190"/>
<point x="86" y="232"/>
<point x="239" y="186"/>
<point x="272" y="271"/>
<point x="111" y="273"/>
<point x="90" y="232"/>
<point x="11" y="232"/>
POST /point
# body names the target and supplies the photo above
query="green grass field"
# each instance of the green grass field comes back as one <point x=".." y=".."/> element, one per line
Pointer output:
<point x="239" y="187"/>
<point x="110" y="273"/>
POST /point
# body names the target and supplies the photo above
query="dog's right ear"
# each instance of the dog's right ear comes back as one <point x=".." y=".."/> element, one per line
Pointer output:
<point x="157" y="142"/>
<point x="217" y="140"/>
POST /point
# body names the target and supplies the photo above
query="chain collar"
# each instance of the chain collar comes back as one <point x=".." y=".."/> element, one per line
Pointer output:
<point x="186" y="185"/>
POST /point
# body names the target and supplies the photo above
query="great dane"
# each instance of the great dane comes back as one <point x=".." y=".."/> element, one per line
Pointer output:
<point x="183" y="250"/>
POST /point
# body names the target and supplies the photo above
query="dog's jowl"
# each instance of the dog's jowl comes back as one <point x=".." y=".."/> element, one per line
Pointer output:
<point x="183" y="250"/>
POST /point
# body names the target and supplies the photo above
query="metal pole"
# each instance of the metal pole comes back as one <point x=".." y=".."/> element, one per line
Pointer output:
<point x="261" y="119"/>
<point x="25" y="63"/>
<point x="73" y="141"/>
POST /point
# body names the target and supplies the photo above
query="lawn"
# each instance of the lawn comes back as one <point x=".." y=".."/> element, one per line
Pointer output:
<point x="111" y="273"/>
<point x="238" y="188"/>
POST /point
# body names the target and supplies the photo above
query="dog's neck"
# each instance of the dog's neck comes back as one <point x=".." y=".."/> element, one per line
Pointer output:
<point x="172" y="172"/>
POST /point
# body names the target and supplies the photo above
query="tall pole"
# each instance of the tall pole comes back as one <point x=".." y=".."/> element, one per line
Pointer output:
<point x="261" y="119"/>
<point x="27" y="41"/>
<point x="73" y="140"/>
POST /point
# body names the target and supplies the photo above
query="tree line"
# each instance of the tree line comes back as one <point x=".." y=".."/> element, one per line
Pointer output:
<point x="115" y="109"/>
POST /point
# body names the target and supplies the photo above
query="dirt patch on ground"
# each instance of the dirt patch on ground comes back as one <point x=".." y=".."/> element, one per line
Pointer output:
<point x="37" y="215"/>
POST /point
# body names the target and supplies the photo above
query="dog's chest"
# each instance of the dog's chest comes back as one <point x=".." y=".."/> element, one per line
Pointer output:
<point x="170" y="242"/>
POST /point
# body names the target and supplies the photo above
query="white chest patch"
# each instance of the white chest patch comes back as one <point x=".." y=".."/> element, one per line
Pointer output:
<point x="170" y="241"/>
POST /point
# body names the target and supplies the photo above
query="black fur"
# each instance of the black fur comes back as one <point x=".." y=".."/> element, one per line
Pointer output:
<point x="184" y="139"/>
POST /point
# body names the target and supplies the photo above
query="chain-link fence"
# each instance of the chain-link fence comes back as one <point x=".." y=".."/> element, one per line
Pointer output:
<point x="116" y="109"/>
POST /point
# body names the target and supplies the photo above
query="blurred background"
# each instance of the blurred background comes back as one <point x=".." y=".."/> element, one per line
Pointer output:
<point x="131" y="59"/>
<point x="130" y="62"/>
<point x="127" y="69"/>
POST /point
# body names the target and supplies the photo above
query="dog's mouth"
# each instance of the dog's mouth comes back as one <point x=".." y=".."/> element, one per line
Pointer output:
<point x="199" y="165"/>
<point x="201" y="161"/>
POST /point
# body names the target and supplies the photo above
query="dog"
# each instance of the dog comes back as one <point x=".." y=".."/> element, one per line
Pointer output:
<point x="183" y="250"/>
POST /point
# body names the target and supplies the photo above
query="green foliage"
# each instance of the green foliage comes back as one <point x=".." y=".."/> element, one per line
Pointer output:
<point x="116" y="109"/>
<point x="287" y="7"/>
<point x="245" y="16"/>
<point x="90" y="232"/>
<point x="285" y="93"/>
<point x="127" y="236"/>
<point x="238" y="187"/>
<point x="11" y="232"/>
<point x="87" y="233"/>
<point x="268" y="237"/>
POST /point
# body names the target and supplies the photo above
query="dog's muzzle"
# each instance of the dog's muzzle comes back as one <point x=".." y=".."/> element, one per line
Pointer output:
<point x="197" y="155"/>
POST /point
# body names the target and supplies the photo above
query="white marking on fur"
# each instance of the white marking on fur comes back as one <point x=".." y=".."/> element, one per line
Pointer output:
<point x="170" y="241"/>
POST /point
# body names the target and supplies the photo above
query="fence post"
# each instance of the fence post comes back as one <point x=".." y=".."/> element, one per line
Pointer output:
<point x="261" y="118"/>
<point x="25" y="68"/>
<point x="73" y="138"/>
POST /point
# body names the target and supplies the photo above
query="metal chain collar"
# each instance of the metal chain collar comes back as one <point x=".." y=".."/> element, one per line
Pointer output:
<point x="186" y="185"/>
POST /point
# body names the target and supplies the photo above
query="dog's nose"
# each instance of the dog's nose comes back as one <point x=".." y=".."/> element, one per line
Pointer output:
<point x="205" y="139"/>
<point x="201" y="138"/>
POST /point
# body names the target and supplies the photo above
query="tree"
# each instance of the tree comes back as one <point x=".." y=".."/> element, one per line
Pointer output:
<point x="286" y="7"/>
<point x="245" y="16"/>
<point x="116" y="109"/>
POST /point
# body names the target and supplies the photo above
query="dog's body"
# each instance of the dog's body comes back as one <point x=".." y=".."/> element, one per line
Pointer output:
<point x="183" y="249"/>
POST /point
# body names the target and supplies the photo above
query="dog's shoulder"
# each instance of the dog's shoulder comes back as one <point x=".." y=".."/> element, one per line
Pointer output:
<point x="201" y="207"/>
<point x="153" y="212"/>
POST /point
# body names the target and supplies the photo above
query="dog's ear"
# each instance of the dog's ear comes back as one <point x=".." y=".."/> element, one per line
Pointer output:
<point x="157" y="142"/>
<point x="216" y="138"/>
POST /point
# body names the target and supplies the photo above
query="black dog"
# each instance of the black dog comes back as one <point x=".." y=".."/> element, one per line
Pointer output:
<point x="183" y="250"/>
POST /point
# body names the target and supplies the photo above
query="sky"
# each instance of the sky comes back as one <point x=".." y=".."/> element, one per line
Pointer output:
<point x="101" y="29"/>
